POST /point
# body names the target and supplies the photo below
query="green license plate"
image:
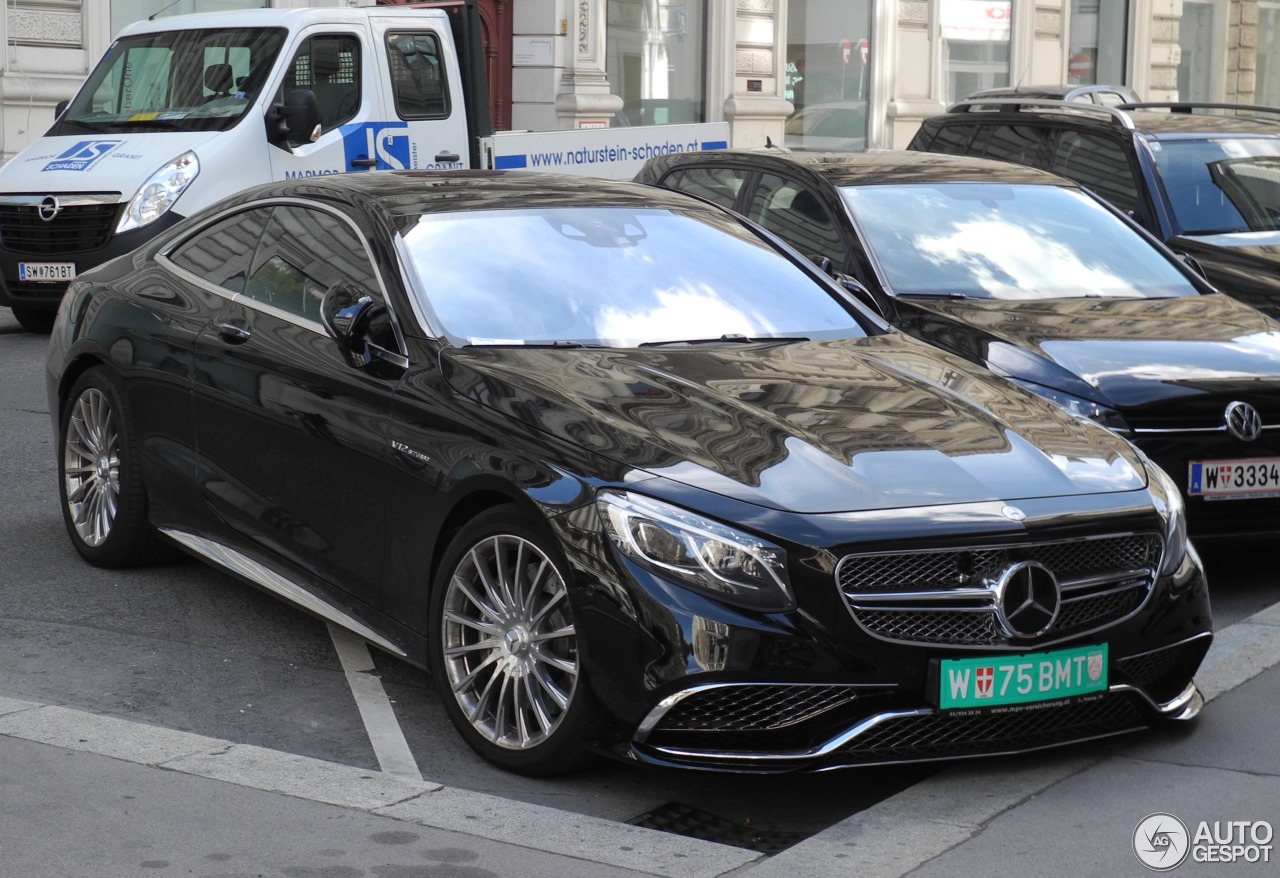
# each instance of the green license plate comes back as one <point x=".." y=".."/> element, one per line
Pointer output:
<point x="999" y="681"/>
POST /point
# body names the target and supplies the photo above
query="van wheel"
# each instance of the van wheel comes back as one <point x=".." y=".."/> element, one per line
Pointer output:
<point x="504" y="647"/>
<point x="34" y="320"/>
<point x="104" y="502"/>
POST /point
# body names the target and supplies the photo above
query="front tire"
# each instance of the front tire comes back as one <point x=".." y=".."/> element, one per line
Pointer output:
<point x="504" y="647"/>
<point x="104" y="502"/>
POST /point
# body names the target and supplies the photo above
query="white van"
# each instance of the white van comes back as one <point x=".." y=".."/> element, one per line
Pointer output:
<point x="182" y="111"/>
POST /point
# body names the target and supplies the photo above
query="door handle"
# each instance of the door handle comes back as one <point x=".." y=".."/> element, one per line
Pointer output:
<point x="364" y="163"/>
<point x="449" y="157"/>
<point x="233" y="334"/>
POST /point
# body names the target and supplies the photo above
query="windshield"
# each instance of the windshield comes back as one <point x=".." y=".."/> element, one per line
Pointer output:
<point x="183" y="80"/>
<point x="998" y="241"/>
<point x="1222" y="186"/>
<point x="613" y="276"/>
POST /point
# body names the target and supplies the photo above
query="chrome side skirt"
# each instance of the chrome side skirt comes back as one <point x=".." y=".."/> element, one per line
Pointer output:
<point x="236" y="562"/>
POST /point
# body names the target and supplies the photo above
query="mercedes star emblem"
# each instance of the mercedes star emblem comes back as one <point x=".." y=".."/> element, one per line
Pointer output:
<point x="1027" y="599"/>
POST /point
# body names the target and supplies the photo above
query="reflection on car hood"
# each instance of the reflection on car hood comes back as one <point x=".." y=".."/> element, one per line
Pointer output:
<point x="1135" y="351"/>
<point x="884" y="422"/>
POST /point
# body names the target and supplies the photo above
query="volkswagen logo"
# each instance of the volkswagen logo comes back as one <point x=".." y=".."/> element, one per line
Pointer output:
<point x="1243" y="421"/>
<point x="1027" y="599"/>
<point x="49" y="208"/>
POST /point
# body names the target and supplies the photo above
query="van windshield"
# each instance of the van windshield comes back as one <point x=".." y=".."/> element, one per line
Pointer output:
<point x="182" y="80"/>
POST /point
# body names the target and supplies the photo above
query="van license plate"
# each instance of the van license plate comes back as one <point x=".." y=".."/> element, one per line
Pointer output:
<point x="46" y="272"/>
<point x="1000" y="681"/>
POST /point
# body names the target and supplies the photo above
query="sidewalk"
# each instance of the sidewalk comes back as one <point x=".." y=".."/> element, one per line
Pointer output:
<point x="82" y="794"/>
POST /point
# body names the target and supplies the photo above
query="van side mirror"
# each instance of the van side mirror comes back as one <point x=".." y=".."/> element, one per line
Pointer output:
<point x="59" y="108"/>
<point x="296" y="121"/>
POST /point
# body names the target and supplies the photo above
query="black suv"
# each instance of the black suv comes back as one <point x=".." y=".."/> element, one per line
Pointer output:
<point x="1208" y="185"/>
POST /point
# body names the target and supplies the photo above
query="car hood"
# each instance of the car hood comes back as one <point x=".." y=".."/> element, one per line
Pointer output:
<point x="1245" y="265"/>
<point x="96" y="163"/>
<point x="1132" y="352"/>
<point x="883" y="422"/>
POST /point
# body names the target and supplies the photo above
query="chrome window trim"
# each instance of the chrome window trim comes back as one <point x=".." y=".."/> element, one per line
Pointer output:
<point x="400" y="357"/>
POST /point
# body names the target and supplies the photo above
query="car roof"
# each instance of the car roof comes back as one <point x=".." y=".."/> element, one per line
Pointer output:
<point x="874" y="166"/>
<point x="404" y="193"/>
<point x="1148" y="119"/>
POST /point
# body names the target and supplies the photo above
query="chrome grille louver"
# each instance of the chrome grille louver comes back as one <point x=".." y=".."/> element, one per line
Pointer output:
<point x="944" y="597"/>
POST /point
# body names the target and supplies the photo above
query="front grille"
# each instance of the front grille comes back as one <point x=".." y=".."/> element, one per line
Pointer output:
<point x="753" y="707"/>
<point x="32" y="290"/>
<point x="945" y="597"/>
<point x="76" y="228"/>
<point x="938" y="736"/>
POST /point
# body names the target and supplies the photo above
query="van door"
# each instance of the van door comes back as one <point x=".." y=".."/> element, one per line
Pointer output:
<point x="424" y="124"/>
<point x="337" y="68"/>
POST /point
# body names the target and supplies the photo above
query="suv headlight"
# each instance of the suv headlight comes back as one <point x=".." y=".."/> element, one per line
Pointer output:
<point x="702" y="555"/>
<point x="160" y="192"/>
<point x="1078" y="405"/>
<point x="1174" y="510"/>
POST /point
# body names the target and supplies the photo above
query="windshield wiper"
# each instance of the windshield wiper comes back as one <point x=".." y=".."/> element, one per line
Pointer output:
<point x="561" y="343"/>
<point x="926" y="294"/>
<point x="727" y="338"/>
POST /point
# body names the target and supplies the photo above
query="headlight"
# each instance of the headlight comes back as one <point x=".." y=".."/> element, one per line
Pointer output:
<point x="1174" y="511"/>
<point x="160" y="192"/>
<point x="1078" y="406"/>
<point x="700" y="554"/>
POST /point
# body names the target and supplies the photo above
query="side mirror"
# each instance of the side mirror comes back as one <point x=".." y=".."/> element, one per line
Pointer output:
<point x="346" y="312"/>
<point x="296" y="121"/>
<point x="59" y="108"/>
<point x="1190" y="262"/>
<point x="855" y="288"/>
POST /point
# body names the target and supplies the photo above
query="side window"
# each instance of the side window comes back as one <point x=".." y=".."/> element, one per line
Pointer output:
<point x="329" y="66"/>
<point x="1024" y="144"/>
<point x="719" y="185"/>
<point x="417" y="76"/>
<point x="1098" y="163"/>
<point x="303" y="253"/>
<point x="221" y="253"/>
<point x="798" y="217"/>
<point x="957" y="140"/>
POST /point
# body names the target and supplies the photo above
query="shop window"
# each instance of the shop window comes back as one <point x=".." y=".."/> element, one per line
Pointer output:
<point x="1098" y="36"/>
<point x="828" y="73"/>
<point x="656" y="60"/>
<point x="975" y="46"/>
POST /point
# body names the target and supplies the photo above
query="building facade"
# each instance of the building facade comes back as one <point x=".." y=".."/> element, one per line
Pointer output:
<point x="846" y="73"/>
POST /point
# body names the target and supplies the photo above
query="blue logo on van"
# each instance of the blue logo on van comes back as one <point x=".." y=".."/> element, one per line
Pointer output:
<point x="83" y="156"/>
<point x="388" y="142"/>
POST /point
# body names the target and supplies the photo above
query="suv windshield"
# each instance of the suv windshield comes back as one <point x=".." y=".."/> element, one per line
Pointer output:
<point x="1222" y="186"/>
<point x="1001" y="241"/>
<point x="614" y="276"/>
<point x="184" y="80"/>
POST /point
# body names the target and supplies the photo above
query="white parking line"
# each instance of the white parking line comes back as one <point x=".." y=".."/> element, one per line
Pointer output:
<point x="385" y="734"/>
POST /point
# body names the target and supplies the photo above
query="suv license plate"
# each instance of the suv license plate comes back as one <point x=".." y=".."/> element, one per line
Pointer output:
<point x="46" y="272"/>
<point x="1234" y="479"/>
<point x="1003" y="681"/>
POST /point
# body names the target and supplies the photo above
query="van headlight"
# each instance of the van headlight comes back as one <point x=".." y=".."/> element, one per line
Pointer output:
<point x="702" y="555"/>
<point x="1174" y="510"/>
<point x="160" y="192"/>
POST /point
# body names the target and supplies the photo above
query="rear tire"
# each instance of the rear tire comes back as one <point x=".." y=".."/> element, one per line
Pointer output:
<point x="104" y="501"/>
<point x="504" y="647"/>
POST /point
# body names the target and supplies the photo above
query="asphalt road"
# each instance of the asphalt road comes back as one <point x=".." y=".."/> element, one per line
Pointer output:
<point x="185" y="647"/>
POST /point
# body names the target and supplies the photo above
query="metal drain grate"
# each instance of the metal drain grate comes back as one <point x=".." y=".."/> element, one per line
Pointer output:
<point x="693" y="822"/>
